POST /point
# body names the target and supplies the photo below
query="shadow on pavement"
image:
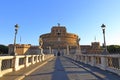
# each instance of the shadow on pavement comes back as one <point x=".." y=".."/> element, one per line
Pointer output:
<point x="108" y="75"/>
<point x="59" y="72"/>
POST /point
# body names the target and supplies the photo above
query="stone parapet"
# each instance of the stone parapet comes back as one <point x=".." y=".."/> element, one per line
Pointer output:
<point x="15" y="63"/>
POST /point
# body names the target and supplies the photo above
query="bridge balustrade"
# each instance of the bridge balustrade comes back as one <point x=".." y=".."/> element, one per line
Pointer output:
<point x="110" y="62"/>
<point x="15" y="63"/>
<point x="6" y="64"/>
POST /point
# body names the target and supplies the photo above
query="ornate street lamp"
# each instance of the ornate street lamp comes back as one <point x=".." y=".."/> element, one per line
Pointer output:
<point x="16" y="30"/>
<point x="105" y="47"/>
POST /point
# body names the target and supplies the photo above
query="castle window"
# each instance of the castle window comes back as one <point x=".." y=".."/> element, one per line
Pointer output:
<point x="58" y="32"/>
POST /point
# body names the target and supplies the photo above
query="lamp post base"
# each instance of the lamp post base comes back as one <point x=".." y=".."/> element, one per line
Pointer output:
<point x="105" y="52"/>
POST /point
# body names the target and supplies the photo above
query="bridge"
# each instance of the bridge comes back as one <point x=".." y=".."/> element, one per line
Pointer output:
<point x="66" y="67"/>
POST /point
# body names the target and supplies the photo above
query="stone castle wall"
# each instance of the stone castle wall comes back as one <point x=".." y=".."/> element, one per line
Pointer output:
<point x="24" y="49"/>
<point x="59" y="38"/>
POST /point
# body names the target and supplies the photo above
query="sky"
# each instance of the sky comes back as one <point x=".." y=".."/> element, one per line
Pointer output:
<point x="82" y="17"/>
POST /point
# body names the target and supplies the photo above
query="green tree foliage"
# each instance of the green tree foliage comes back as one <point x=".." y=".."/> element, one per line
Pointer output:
<point x="113" y="49"/>
<point x="3" y="49"/>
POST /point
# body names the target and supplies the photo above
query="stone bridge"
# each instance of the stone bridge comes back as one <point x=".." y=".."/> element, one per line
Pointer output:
<point x="67" y="67"/>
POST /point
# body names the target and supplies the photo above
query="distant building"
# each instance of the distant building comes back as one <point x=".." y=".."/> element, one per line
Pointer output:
<point x="24" y="49"/>
<point x="94" y="48"/>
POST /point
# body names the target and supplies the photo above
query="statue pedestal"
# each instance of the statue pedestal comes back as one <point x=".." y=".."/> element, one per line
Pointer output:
<point x="42" y="55"/>
<point x="77" y="54"/>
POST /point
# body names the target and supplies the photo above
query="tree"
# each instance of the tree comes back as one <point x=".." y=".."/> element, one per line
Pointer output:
<point x="113" y="49"/>
<point x="3" y="49"/>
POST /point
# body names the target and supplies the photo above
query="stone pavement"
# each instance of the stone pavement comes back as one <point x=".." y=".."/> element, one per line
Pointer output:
<point x="62" y="68"/>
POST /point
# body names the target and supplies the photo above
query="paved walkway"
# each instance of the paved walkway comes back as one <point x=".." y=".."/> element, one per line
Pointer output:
<point x="61" y="68"/>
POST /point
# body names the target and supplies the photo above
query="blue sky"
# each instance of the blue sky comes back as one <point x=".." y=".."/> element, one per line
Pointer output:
<point x="82" y="17"/>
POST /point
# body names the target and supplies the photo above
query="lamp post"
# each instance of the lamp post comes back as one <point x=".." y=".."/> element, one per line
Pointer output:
<point x="16" y="30"/>
<point x="105" y="47"/>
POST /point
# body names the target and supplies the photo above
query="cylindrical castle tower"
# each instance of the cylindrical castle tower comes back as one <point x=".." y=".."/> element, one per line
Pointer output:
<point x="59" y="39"/>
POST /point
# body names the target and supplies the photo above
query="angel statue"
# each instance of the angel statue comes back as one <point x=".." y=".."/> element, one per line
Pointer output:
<point x="78" y="41"/>
<point x="40" y="41"/>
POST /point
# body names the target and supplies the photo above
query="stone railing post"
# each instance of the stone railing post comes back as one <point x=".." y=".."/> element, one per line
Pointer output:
<point x="43" y="57"/>
<point x="93" y="61"/>
<point x="26" y="61"/>
<point x="103" y="62"/>
<point x="81" y="58"/>
<point x="37" y="58"/>
<point x="68" y="50"/>
<point x="33" y="62"/>
<point x="86" y="59"/>
<point x="40" y="59"/>
<point x="16" y="63"/>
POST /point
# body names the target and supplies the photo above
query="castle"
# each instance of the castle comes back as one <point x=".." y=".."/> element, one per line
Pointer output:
<point x="57" y="41"/>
